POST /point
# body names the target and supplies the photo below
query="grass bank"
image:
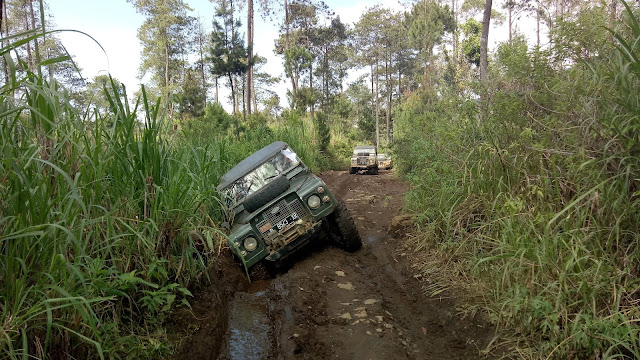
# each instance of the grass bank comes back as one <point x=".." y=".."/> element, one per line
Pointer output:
<point x="531" y="204"/>
<point x="106" y="220"/>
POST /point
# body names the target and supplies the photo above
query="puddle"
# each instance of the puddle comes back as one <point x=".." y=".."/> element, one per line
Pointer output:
<point x="249" y="325"/>
<point x="371" y="239"/>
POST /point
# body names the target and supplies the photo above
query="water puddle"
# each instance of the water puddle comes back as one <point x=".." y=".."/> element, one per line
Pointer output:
<point x="371" y="239"/>
<point x="249" y="325"/>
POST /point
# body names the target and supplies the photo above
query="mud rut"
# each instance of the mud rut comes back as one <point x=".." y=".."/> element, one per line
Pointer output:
<point x="331" y="304"/>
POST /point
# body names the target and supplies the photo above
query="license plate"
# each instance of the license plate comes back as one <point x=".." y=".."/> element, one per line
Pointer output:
<point x="284" y="223"/>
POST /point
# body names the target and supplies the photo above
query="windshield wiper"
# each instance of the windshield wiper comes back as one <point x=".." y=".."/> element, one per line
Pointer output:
<point x="271" y="177"/>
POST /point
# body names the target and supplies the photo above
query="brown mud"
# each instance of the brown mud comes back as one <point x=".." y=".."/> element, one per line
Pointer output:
<point x="330" y="304"/>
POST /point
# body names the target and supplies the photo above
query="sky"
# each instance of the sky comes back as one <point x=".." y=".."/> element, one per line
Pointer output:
<point x="113" y="24"/>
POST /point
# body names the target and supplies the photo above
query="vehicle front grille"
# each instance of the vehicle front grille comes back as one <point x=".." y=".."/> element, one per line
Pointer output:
<point x="277" y="213"/>
<point x="362" y="160"/>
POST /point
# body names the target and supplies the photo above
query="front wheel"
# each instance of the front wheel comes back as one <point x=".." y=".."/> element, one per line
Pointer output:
<point x="374" y="171"/>
<point x="352" y="170"/>
<point x="344" y="231"/>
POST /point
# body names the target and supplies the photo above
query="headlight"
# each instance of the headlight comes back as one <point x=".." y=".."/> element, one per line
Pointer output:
<point x="250" y="244"/>
<point x="313" y="201"/>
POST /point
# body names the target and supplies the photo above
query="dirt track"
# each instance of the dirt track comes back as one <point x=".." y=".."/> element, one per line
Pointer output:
<point x="333" y="304"/>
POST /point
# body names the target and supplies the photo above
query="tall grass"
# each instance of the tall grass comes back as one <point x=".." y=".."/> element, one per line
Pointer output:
<point x="537" y="205"/>
<point x="105" y="221"/>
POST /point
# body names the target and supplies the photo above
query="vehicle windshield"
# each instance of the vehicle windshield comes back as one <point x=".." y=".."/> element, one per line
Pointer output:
<point x="364" y="152"/>
<point x="382" y="157"/>
<point x="259" y="177"/>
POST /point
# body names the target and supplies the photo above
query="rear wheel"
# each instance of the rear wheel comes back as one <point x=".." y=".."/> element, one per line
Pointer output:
<point x="344" y="231"/>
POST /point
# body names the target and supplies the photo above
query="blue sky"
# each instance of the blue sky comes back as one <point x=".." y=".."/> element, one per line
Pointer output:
<point x="114" y="24"/>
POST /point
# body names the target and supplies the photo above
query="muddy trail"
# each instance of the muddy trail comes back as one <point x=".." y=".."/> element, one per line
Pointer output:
<point x="330" y="304"/>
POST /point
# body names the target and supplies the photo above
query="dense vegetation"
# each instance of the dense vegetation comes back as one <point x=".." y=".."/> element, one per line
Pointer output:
<point x="525" y="174"/>
<point x="530" y="200"/>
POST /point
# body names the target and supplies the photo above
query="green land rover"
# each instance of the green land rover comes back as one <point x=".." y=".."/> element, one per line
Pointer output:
<point x="275" y="205"/>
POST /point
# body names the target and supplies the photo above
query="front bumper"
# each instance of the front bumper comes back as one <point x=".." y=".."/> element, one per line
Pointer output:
<point x="300" y="235"/>
<point x="364" y="167"/>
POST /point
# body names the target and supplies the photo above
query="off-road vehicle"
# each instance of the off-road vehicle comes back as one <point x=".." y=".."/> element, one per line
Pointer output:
<point x="275" y="204"/>
<point x="384" y="162"/>
<point x="364" y="158"/>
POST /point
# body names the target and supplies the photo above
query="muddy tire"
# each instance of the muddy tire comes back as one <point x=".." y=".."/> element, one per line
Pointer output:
<point x="344" y="231"/>
<point x="352" y="170"/>
<point x="261" y="271"/>
<point x="374" y="171"/>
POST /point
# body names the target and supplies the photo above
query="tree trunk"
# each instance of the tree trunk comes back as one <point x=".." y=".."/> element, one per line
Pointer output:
<point x="484" y="39"/>
<point x="166" y="66"/>
<point x="249" y="85"/>
<point x="399" y="82"/>
<point x="254" y="98"/>
<point x="236" y="102"/>
<point x="5" y="28"/>
<point x="538" y="24"/>
<point x="202" y="74"/>
<point x="292" y="76"/>
<point x="235" y="115"/>
<point x="166" y="77"/>
<point x="389" y="94"/>
<point x="29" y="54"/>
<point x="455" y="35"/>
<point x="377" y="109"/>
<point x="311" y="91"/>
<point x="245" y="104"/>
<point x="217" y="98"/>
<point x="613" y="13"/>
<point x="373" y="105"/>
<point x="35" y="41"/>
<point x="286" y="25"/>
<point x="510" y="10"/>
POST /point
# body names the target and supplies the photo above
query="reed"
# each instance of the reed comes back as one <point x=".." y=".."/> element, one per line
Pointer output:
<point x="105" y="221"/>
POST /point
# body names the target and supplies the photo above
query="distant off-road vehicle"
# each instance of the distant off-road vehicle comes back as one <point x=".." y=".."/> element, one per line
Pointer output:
<point x="384" y="162"/>
<point x="275" y="205"/>
<point x="364" y="158"/>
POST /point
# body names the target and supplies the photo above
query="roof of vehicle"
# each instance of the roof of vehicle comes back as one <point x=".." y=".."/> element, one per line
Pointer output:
<point x="250" y="163"/>
<point x="363" y="147"/>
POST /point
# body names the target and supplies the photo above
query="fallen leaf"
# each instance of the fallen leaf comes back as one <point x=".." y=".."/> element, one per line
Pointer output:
<point x="424" y="331"/>
<point x="346" y="286"/>
<point x="370" y="301"/>
<point x="346" y="316"/>
<point x="379" y="318"/>
<point x="340" y="273"/>
<point x="317" y="267"/>
<point x="361" y="314"/>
